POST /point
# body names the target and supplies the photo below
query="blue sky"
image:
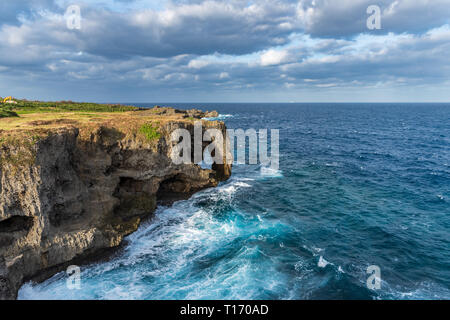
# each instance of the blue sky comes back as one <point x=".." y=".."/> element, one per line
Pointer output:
<point x="226" y="51"/>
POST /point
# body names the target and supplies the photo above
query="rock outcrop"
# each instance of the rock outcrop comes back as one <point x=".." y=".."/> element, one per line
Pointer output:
<point x="77" y="191"/>
<point x="191" y="113"/>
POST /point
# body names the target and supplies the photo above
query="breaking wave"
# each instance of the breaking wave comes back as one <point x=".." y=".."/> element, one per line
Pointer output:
<point x="357" y="191"/>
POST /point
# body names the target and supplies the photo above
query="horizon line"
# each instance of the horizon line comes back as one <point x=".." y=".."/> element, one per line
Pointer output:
<point x="283" y="102"/>
<point x="237" y="102"/>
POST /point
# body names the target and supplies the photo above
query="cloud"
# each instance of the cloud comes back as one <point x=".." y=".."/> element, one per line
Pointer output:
<point x="142" y="47"/>
<point x="202" y="27"/>
<point x="198" y="64"/>
<point x="274" y="57"/>
<point x="325" y="18"/>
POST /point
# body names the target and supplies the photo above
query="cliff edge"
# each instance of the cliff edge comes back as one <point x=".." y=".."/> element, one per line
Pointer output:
<point x="73" y="185"/>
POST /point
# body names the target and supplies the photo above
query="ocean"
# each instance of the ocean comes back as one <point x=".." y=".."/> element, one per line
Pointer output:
<point x="358" y="185"/>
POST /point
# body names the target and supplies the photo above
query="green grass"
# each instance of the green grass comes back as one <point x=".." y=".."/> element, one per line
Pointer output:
<point x="26" y="107"/>
<point x="6" y="112"/>
<point x="151" y="133"/>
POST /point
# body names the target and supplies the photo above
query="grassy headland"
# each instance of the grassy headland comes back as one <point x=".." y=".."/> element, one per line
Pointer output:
<point x="24" y="123"/>
<point x="26" y="118"/>
<point x="26" y="107"/>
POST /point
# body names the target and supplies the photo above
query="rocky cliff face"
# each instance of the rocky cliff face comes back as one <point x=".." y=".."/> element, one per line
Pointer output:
<point x="75" y="192"/>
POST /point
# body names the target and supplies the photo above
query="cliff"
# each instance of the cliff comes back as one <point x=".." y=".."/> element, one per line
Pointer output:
<point x="73" y="186"/>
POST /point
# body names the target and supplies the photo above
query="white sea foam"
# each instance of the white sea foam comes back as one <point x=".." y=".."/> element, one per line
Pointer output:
<point x="245" y="179"/>
<point x="220" y="117"/>
<point x="322" y="262"/>
<point x="168" y="250"/>
<point x="233" y="187"/>
<point x="332" y="164"/>
<point x="242" y="185"/>
<point x="424" y="291"/>
<point x="267" y="172"/>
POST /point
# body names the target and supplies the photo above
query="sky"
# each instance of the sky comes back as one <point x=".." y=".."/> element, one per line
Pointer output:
<point x="225" y="51"/>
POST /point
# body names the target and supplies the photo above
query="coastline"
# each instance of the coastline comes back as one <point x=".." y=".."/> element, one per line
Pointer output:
<point x="72" y="189"/>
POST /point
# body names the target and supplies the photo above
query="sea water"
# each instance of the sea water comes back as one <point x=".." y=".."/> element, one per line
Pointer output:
<point x="358" y="185"/>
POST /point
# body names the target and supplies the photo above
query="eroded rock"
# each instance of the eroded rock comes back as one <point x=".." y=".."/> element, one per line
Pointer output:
<point x="75" y="197"/>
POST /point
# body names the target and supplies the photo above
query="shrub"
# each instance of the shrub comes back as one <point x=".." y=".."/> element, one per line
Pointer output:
<point x="151" y="133"/>
<point x="7" y="112"/>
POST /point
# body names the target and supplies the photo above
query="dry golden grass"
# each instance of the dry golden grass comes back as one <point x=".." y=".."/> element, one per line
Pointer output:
<point x="20" y="135"/>
<point x="126" y="122"/>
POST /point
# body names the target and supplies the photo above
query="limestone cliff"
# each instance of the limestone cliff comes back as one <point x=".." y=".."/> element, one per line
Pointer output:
<point x="69" y="190"/>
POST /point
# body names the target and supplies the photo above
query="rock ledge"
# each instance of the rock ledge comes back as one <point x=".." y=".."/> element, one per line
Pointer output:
<point x="71" y="190"/>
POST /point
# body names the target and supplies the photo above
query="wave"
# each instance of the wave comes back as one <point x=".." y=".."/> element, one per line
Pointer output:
<point x="299" y="232"/>
<point x="267" y="172"/>
<point x="322" y="263"/>
<point x="167" y="258"/>
<point x="425" y="291"/>
<point x="220" y="117"/>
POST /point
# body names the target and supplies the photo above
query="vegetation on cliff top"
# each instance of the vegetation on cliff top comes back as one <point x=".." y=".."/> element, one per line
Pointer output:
<point x="24" y="118"/>
<point x="26" y="115"/>
<point x="26" y="106"/>
<point x="150" y="132"/>
<point x="7" y="112"/>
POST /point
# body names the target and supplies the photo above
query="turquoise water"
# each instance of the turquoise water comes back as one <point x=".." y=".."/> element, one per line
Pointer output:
<point x="358" y="185"/>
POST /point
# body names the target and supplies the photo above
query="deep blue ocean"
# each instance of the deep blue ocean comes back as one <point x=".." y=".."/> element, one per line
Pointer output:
<point x="358" y="185"/>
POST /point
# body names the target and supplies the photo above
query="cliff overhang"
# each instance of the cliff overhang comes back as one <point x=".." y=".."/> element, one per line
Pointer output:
<point x="73" y="186"/>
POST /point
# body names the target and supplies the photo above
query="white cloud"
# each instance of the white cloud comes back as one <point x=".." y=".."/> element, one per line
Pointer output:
<point x="198" y="64"/>
<point x="289" y="85"/>
<point x="326" y="85"/>
<point x="274" y="57"/>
